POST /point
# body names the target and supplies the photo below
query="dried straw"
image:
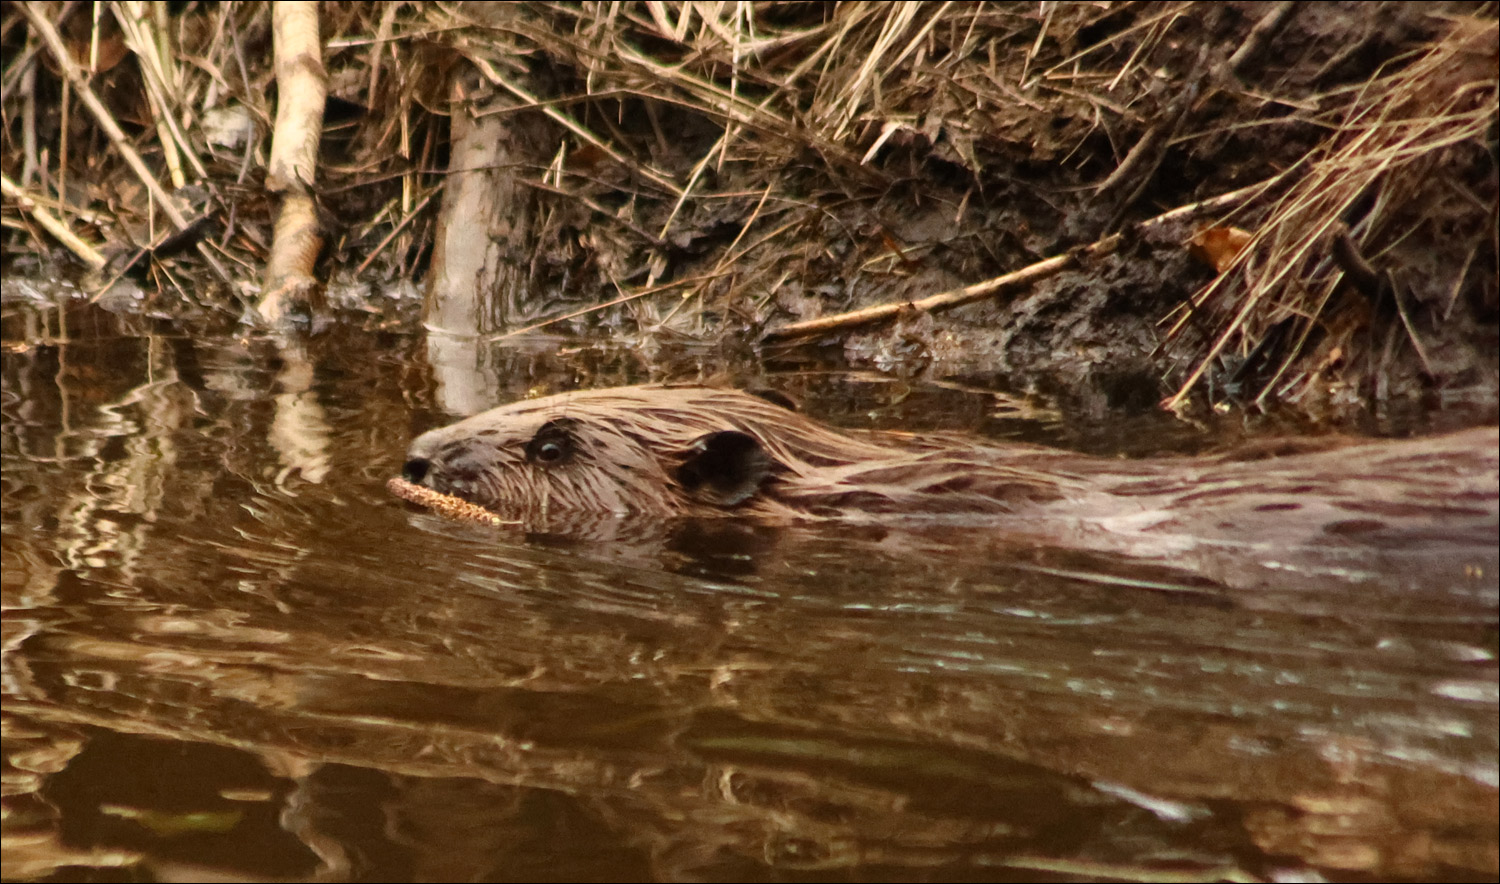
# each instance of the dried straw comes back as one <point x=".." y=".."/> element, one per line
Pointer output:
<point x="1387" y="135"/>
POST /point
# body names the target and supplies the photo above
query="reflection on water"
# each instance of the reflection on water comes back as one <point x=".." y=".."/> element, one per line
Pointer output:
<point x="229" y="652"/>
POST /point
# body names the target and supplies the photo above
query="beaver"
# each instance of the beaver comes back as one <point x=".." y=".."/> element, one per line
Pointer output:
<point x="672" y="452"/>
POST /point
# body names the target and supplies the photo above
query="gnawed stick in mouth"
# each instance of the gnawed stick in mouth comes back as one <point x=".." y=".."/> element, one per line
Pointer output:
<point x="445" y="504"/>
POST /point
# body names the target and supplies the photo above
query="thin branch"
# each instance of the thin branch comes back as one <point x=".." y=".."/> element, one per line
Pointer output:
<point x="1007" y="282"/>
<point x="53" y="225"/>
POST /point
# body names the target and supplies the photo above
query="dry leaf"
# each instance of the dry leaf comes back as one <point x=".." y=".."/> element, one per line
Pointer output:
<point x="1219" y="246"/>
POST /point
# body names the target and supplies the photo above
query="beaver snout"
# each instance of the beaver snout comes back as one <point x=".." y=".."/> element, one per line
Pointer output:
<point x="457" y="466"/>
<point x="420" y="454"/>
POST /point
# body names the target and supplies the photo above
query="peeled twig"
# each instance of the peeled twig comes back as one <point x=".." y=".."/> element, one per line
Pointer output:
<point x="28" y="124"/>
<point x="84" y="252"/>
<point x="953" y="298"/>
<point x="980" y="290"/>
<point x="302" y="88"/>
<point x="294" y="249"/>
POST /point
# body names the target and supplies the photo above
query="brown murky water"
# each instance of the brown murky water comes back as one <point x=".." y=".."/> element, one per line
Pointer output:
<point x="228" y="652"/>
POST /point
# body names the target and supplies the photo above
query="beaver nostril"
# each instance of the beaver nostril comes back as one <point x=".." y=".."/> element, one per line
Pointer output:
<point x="415" y="470"/>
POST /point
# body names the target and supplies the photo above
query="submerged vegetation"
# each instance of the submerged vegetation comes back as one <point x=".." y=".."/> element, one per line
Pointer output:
<point x="1199" y="203"/>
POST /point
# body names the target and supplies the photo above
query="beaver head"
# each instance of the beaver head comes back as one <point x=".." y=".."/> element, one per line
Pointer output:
<point x="687" y="450"/>
<point x="659" y="451"/>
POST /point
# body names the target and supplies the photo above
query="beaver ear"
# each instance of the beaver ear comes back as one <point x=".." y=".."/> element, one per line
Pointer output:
<point x="724" y="468"/>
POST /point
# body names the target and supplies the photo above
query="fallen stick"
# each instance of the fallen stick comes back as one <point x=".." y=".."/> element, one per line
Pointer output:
<point x="1009" y="281"/>
<point x="53" y="225"/>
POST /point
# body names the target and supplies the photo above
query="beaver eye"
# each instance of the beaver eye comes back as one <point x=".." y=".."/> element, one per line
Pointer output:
<point x="554" y="443"/>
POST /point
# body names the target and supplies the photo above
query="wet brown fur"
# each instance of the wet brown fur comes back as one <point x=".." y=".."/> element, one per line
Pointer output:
<point x="685" y="451"/>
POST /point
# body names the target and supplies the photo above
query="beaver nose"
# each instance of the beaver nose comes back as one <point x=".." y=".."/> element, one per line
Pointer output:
<point x="415" y="470"/>
<point x="419" y="456"/>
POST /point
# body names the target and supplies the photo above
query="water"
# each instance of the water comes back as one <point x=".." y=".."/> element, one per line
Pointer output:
<point x="229" y="652"/>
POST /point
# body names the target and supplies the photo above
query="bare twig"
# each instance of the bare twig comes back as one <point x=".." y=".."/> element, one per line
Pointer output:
<point x="1260" y="35"/>
<point x="1390" y="124"/>
<point x="1347" y="255"/>
<point x="594" y="308"/>
<point x="159" y="82"/>
<point x="53" y="225"/>
<point x="395" y="232"/>
<point x="596" y="208"/>
<point x="493" y="74"/>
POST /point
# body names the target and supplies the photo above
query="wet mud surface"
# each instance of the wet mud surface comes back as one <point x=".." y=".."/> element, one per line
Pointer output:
<point x="229" y="650"/>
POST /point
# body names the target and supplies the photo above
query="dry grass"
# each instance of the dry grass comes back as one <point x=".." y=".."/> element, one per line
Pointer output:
<point x="191" y="98"/>
<point x="720" y="168"/>
<point x="1387" y="137"/>
<point x="790" y="87"/>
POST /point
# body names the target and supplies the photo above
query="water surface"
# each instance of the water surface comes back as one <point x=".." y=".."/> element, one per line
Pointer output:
<point x="229" y="652"/>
